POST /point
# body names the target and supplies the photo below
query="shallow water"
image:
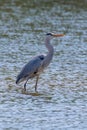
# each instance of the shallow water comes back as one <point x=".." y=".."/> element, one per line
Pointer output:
<point x="61" y="103"/>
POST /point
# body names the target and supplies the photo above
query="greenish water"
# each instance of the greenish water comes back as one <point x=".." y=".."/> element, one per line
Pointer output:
<point x="62" y="100"/>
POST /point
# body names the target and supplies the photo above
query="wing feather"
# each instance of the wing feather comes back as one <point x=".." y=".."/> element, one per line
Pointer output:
<point x="30" y="68"/>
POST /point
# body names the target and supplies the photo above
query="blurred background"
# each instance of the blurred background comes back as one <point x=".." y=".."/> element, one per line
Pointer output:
<point x="62" y="100"/>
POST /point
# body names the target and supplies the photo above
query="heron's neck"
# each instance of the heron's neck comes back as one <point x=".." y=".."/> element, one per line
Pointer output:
<point x="49" y="46"/>
<point x="49" y="56"/>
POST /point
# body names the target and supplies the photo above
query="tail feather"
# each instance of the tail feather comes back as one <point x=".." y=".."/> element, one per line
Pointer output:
<point x="20" y="79"/>
<point x="17" y="80"/>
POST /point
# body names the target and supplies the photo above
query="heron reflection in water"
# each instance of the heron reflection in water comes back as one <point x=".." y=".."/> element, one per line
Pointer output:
<point x="36" y="66"/>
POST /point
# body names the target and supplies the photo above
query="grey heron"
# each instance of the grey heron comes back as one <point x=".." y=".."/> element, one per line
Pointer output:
<point x="36" y="66"/>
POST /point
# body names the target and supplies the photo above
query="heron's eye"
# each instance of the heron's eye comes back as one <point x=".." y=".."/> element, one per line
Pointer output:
<point x="49" y="34"/>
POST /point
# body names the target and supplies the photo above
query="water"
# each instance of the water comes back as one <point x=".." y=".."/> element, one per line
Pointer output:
<point x="62" y="100"/>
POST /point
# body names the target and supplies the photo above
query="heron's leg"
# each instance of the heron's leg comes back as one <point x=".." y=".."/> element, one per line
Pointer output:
<point x="25" y="84"/>
<point x="36" y="83"/>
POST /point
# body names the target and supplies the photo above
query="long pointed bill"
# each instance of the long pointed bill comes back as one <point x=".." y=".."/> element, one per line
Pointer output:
<point x="58" y="35"/>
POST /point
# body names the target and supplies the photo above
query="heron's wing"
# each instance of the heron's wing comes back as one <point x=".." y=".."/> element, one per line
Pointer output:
<point x="30" y="68"/>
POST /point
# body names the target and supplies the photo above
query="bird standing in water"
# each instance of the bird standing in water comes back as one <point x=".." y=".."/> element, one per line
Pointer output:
<point x="36" y="66"/>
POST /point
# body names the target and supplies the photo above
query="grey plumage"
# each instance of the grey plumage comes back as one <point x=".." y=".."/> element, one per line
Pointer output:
<point x="36" y="66"/>
<point x="30" y="69"/>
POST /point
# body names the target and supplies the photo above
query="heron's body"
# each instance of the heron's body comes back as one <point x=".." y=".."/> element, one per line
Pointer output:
<point x="31" y="69"/>
<point x="36" y="66"/>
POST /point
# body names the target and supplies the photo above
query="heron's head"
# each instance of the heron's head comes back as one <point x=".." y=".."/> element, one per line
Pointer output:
<point x="52" y="35"/>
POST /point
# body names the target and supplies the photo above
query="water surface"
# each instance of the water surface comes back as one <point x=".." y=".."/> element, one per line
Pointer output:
<point x="62" y="100"/>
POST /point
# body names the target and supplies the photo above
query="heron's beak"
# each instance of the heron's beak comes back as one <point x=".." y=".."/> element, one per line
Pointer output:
<point x="57" y="35"/>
